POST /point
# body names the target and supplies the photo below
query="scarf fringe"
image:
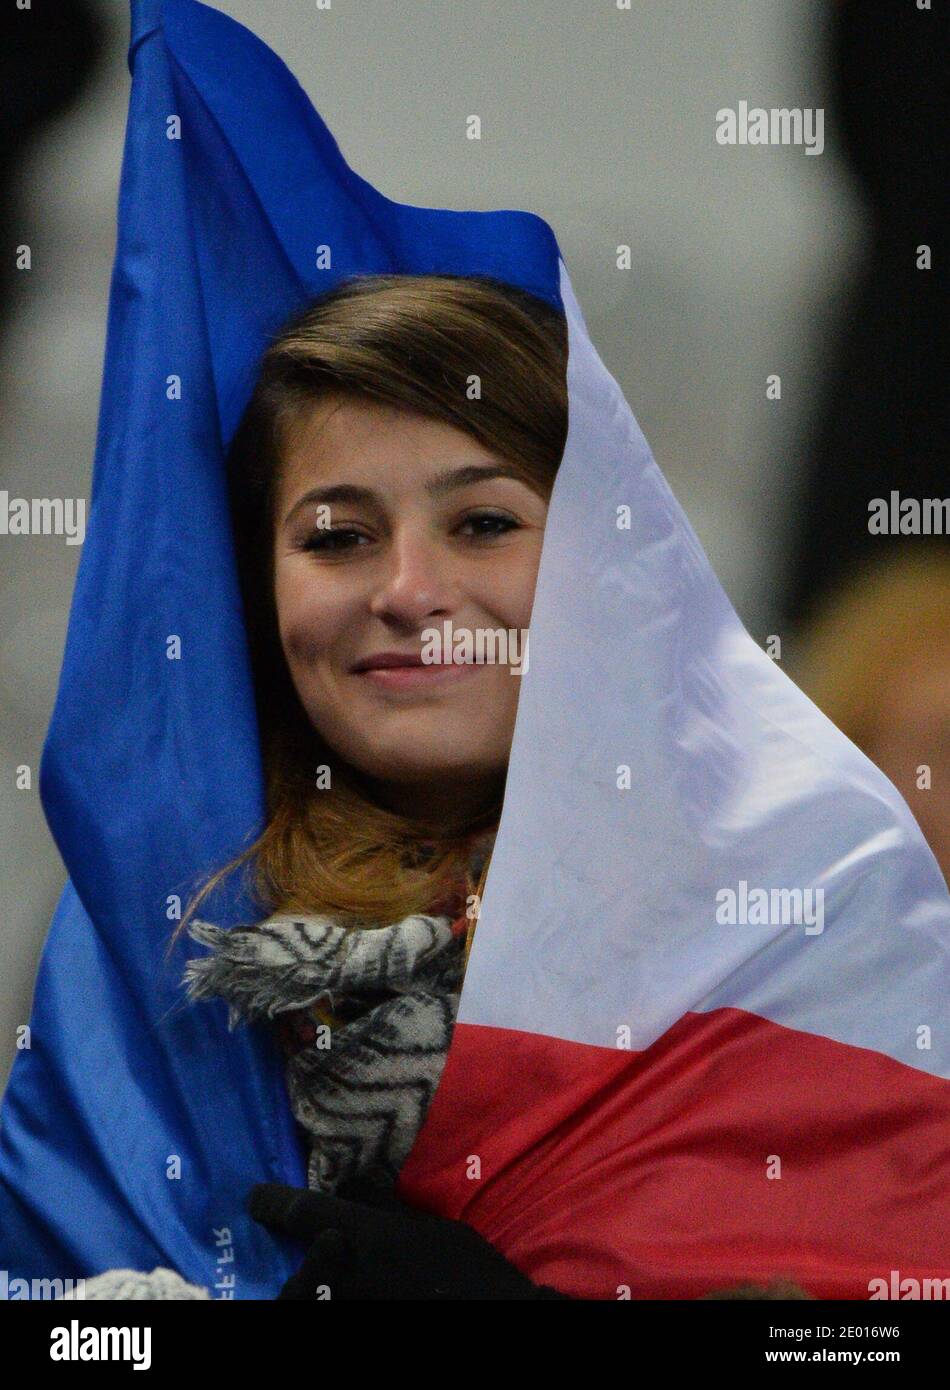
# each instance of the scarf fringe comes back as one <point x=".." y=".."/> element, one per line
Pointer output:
<point x="362" y="1093"/>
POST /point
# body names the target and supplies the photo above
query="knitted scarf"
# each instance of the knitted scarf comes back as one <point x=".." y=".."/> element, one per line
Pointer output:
<point x="364" y="1017"/>
<point x="360" y="1084"/>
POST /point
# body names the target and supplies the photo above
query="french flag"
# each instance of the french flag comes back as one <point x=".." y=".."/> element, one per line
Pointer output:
<point x="703" y="1037"/>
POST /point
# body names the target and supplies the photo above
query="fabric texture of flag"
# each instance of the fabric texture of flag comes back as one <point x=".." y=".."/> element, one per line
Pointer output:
<point x="703" y="1035"/>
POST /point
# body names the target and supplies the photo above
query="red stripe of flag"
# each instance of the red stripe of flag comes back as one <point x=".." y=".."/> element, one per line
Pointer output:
<point x="593" y="1169"/>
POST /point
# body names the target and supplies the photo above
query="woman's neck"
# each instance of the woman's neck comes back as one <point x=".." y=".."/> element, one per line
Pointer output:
<point x="459" y="806"/>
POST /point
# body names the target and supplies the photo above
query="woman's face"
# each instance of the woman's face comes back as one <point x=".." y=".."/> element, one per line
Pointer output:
<point x="388" y="524"/>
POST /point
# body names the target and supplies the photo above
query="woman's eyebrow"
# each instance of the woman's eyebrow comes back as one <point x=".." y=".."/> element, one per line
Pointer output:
<point x="435" y="487"/>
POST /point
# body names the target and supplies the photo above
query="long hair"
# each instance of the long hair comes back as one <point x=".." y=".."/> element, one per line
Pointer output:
<point x="415" y="342"/>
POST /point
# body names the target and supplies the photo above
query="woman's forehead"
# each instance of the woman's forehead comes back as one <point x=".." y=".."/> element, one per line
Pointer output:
<point x="382" y="447"/>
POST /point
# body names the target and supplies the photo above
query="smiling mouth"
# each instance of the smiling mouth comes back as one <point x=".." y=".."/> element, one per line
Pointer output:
<point x="418" y="677"/>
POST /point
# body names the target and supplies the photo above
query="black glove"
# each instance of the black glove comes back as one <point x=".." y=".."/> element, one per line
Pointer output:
<point x="379" y="1248"/>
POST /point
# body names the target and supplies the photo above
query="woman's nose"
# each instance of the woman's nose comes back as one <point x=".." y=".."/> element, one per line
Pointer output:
<point x="415" y="580"/>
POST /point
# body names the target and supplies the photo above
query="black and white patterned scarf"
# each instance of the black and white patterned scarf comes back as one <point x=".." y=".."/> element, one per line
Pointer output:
<point x="360" y="1088"/>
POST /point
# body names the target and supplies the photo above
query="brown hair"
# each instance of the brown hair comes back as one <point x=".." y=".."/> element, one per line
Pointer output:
<point x="414" y="342"/>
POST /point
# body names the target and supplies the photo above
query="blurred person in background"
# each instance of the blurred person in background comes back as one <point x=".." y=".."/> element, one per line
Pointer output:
<point x="875" y="657"/>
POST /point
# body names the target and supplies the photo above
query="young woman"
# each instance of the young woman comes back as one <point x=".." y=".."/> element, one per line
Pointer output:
<point x="389" y="482"/>
<point x="390" y="479"/>
<point x="391" y="474"/>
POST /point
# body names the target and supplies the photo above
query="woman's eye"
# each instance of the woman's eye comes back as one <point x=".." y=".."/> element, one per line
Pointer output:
<point x="490" y="524"/>
<point x="336" y="539"/>
<point x="332" y="538"/>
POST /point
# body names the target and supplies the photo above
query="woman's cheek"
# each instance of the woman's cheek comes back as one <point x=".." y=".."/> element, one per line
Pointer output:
<point x="305" y="617"/>
<point x="307" y="635"/>
<point x="515" y="593"/>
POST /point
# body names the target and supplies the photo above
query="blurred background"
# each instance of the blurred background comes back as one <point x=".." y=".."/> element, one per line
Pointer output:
<point x="746" y="262"/>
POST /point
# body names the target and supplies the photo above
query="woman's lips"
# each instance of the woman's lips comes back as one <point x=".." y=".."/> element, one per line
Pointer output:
<point x="418" y="677"/>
